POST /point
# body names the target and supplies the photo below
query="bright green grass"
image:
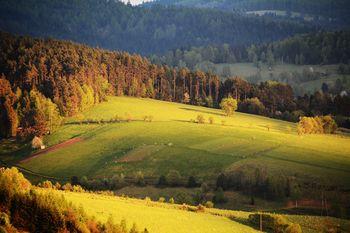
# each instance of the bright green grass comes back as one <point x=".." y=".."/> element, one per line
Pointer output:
<point x="162" y="217"/>
<point x="202" y="150"/>
<point x="153" y="216"/>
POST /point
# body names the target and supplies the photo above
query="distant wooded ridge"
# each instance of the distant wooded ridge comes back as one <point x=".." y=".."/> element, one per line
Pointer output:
<point x="116" y="26"/>
<point x="324" y="10"/>
<point x="311" y="49"/>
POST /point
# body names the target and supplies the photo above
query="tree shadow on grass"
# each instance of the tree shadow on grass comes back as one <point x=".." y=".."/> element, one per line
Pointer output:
<point x="17" y="152"/>
<point x="246" y="222"/>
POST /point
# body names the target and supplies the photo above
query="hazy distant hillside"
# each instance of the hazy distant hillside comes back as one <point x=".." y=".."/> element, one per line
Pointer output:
<point x="326" y="11"/>
<point x="114" y="25"/>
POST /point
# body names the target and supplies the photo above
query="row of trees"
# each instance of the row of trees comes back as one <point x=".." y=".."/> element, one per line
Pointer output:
<point x="255" y="181"/>
<point x="319" y="9"/>
<point x="45" y="80"/>
<point x="314" y="48"/>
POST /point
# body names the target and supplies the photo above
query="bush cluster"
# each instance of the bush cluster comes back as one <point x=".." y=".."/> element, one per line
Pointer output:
<point x="317" y="125"/>
<point x="254" y="179"/>
<point x="275" y="223"/>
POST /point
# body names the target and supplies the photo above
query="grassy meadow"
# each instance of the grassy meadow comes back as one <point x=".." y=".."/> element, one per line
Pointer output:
<point x="163" y="217"/>
<point x="153" y="216"/>
<point x="174" y="141"/>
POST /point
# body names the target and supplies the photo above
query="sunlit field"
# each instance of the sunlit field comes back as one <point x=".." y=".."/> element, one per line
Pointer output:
<point x="174" y="141"/>
<point x="162" y="217"/>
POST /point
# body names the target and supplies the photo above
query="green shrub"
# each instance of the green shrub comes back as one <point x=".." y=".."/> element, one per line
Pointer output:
<point x="182" y="198"/>
<point x="171" y="200"/>
<point x="293" y="228"/>
<point x="128" y="117"/>
<point x="47" y="184"/>
<point x="162" y="181"/>
<point x="57" y="186"/>
<point x="78" y="189"/>
<point x="200" y="119"/>
<point x="67" y="187"/>
<point x="200" y="208"/>
<point x="253" y="106"/>
<point x="209" y="204"/>
<point x="204" y="187"/>
<point x="139" y="178"/>
<point x="317" y="125"/>
<point x="228" y="105"/>
<point x="191" y="183"/>
<point x="219" y="196"/>
<point x="275" y="223"/>
<point x="174" y="178"/>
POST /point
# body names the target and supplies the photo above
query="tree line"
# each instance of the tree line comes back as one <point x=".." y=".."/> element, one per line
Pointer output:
<point x="321" y="11"/>
<point x="310" y="49"/>
<point x="114" y="25"/>
<point x="43" y="81"/>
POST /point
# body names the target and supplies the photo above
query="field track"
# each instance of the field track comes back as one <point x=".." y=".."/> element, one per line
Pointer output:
<point x="53" y="148"/>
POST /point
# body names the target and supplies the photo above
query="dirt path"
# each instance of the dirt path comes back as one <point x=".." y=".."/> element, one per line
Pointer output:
<point x="52" y="148"/>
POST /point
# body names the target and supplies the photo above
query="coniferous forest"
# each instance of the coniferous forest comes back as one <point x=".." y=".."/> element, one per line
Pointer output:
<point x="114" y="25"/>
<point x="319" y="48"/>
<point x="319" y="10"/>
<point x="44" y="80"/>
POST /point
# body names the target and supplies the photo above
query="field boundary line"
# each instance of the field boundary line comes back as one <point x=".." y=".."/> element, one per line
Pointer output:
<point x="53" y="148"/>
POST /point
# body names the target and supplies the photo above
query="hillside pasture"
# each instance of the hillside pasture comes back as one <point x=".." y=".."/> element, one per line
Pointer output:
<point x="163" y="217"/>
<point x="156" y="218"/>
<point x="174" y="142"/>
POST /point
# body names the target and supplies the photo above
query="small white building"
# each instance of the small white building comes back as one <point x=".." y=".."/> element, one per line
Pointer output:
<point x="37" y="143"/>
<point x="343" y="93"/>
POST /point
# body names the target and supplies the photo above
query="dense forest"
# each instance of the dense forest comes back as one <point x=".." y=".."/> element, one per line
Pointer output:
<point x="311" y="49"/>
<point x="114" y="25"/>
<point x="45" y="80"/>
<point x="323" y="10"/>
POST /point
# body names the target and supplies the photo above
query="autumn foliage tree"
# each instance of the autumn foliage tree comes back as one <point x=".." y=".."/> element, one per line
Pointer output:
<point x="228" y="105"/>
<point x="8" y="115"/>
<point x="316" y="125"/>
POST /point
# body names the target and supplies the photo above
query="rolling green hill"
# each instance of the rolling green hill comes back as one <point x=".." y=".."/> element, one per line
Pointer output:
<point x="162" y="217"/>
<point x="156" y="217"/>
<point x="173" y="141"/>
